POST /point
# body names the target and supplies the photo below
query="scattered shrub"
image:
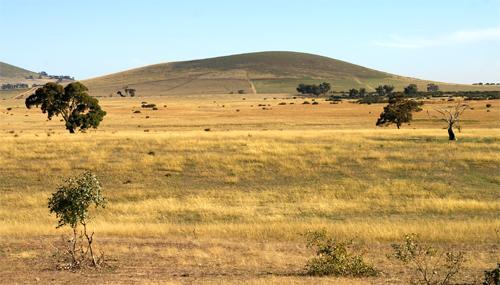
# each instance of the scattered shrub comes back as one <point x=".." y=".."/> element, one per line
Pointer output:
<point x="71" y="204"/>
<point x="305" y="103"/>
<point x="492" y="277"/>
<point x="430" y="266"/>
<point x="333" y="258"/>
<point x="487" y="106"/>
<point x="207" y="130"/>
<point x="282" y="103"/>
<point x="137" y="112"/>
<point x="315" y="103"/>
<point x="151" y="105"/>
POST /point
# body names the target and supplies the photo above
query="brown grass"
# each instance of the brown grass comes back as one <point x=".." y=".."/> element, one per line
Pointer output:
<point x="230" y="205"/>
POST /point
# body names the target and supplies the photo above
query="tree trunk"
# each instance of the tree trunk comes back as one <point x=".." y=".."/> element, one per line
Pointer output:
<point x="73" y="247"/>
<point x="451" y="134"/>
<point x="90" y="239"/>
<point x="71" y="131"/>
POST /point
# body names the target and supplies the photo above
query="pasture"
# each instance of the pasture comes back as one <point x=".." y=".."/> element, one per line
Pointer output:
<point x="220" y="189"/>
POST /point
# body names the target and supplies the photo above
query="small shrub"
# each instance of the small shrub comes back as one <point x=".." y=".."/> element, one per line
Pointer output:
<point x="492" y="277"/>
<point x="150" y="105"/>
<point x="333" y="258"/>
<point x="315" y="103"/>
<point x="155" y="109"/>
<point x="430" y="267"/>
<point x="71" y="204"/>
<point x="152" y="153"/>
<point x="282" y="103"/>
<point x="137" y="112"/>
<point x="305" y="103"/>
<point x="207" y="130"/>
<point x="487" y="106"/>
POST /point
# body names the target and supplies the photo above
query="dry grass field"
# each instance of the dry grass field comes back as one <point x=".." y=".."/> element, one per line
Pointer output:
<point x="219" y="190"/>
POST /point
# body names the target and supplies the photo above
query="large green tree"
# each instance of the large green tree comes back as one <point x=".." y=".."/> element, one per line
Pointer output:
<point x="77" y="108"/>
<point x="398" y="111"/>
<point x="411" y="90"/>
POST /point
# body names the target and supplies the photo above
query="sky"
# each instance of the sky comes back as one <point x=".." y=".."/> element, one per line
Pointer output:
<point x="446" y="40"/>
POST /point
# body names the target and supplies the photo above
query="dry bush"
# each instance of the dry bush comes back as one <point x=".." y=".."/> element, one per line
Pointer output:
<point x="334" y="258"/>
<point x="430" y="266"/>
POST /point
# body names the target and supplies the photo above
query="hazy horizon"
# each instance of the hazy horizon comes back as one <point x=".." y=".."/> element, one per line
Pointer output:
<point x="449" y="41"/>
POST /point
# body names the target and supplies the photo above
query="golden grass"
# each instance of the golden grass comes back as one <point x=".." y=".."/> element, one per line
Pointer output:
<point x="257" y="179"/>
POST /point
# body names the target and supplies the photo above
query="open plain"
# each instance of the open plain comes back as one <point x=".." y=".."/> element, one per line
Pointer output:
<point x="220" y="189"/>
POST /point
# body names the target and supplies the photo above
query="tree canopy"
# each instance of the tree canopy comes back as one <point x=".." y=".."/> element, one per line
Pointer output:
<point x="384" y="90"/>
<point x="322" y="88"/>
<point x="398" y="111"/>
<point x="411" y="90"/>
<point x="78" y="109"/>
<point x="71" y="204"/>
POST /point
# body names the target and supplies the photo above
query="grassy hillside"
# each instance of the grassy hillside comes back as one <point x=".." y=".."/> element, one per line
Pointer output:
<point x="11" y="71"/>
<point x="263" y="72"/>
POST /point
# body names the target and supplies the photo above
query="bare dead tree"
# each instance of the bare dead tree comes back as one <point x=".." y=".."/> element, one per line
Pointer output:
<point x="452" y="117"/>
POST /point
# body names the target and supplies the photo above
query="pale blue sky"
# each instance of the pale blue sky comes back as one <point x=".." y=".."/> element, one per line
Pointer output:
<point x="447" y="40"/>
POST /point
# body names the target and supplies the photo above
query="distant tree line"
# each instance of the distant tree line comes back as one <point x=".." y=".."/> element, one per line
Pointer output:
<point x="44" y="74"/>
<point x="383" y="92"/>
<point x="481" y="83"/>
<point x="10" y="86"/>
<point x="314" y="89"/>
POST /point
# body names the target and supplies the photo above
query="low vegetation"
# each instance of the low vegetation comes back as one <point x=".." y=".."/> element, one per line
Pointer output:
<point x="429" y="265"/>
<point x="194" y="193"/>
<point x="71" y="204"/>
<point x="335" y="258"/>
<point x="492" y="277"/>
